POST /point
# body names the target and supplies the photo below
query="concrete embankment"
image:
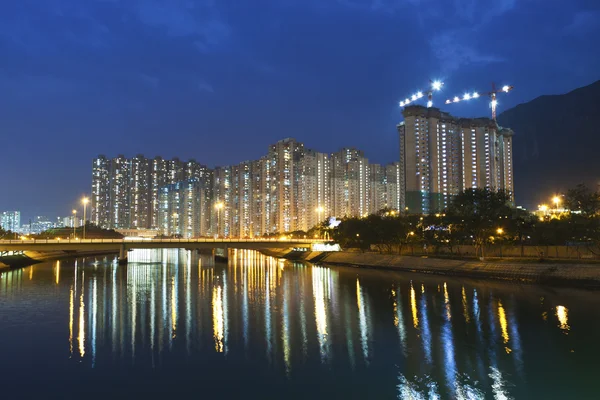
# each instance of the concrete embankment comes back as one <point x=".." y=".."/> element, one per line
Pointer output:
<point x="555" y="273"/>
<point x="34" y="257"/>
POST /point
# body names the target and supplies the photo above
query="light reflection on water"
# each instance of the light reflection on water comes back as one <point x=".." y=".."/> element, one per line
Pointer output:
<point x="365" y="333"/>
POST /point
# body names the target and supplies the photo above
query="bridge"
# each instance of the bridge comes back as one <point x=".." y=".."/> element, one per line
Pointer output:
<point x="122" y="246"/>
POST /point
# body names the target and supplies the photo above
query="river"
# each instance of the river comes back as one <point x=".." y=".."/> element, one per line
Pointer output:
<point x="175" y="324"/>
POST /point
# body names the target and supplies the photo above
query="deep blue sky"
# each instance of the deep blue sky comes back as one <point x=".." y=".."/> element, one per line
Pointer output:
<point x="218" y="81"/>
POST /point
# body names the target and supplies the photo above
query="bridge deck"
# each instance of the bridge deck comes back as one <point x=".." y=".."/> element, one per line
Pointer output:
<point x="118" y="244"/>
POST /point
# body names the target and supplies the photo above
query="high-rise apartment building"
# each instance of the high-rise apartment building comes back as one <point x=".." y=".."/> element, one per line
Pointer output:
<point x="10" y="221"/>
<point x="314" y="201"/>
<point x="441" y="155"/>
<point x="182" y="206"/>
<point x="100" y="201"/>
<point x="126" y="192"/>
<point x="350" y="183"/>
<point x="290" y="188"/>
<point x="284" y="176"/>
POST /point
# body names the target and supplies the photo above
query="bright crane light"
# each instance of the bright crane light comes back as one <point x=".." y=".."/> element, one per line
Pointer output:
<point x="492" y="94"/>
<point x="435" y="85"/>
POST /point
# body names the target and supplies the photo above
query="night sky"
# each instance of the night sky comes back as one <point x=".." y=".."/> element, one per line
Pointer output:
<point x="218" y="81"/>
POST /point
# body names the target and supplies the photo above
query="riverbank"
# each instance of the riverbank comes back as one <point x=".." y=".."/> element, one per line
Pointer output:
<point x="555" y="273"/>
<point x="35" y="257"/>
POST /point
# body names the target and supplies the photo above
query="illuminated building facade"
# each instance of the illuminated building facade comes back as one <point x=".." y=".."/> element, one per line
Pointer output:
<point x="350" y="183"/>
<point x="182" y="206"/>
<point x="126" y="191"/>
<point x="314" y="194"/>
<point x="291" y="188"/>
<point x="441" y="155"/>
<point x="10" y="221"/>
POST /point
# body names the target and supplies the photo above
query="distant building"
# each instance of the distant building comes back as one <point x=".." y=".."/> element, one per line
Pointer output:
<point x="70" y="222"/>
<point x="125" y="192"/>
<point x="441" y="155"/>
<point x="40" y="224"/>
<point x="290" y="188"/>
<point x="182" y="205"/>
<point x="10" y="221"/>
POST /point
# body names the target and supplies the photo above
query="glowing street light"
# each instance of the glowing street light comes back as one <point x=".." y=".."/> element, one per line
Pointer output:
<point x="556" y="201"/>
<point x="85" y="200"/>
<point x="74" y="222"/>
<point x="499" y="231"/>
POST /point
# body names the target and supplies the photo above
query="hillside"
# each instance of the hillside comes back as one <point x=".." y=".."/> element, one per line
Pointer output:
<point x="556" y="143"/>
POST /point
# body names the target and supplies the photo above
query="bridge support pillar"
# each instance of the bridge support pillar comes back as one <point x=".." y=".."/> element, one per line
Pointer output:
<point x="221" y="254"/>
<point x="123" y="255"/>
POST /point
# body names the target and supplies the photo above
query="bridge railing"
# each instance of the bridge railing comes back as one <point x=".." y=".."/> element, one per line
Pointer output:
<point x="201" y="240"/>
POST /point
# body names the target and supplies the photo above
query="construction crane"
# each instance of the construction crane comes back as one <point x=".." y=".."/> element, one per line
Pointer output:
<point x="435" y="86"/>
<point x="492" y="95"/>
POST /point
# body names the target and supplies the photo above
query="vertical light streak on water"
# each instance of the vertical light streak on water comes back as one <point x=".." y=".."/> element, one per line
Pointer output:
<point x="413" y="306"/>
<point x="57" y="271"/>
<point x="303" y="322"/>
<point x="480" y="339"/>
<point x="503" y="326"/>
<point x="115" y="306"/>
<point x="465" y="305"/>
<point x="131" y="273"/>
<point x="286" y="329"/>
<point x="425" y="330"/>
<point x="225" y="295"/>
<point x="448" y="346"/>
<point x="94" y="327"/>
<point x="81" y="333"/>
<point x="318" y="280"/>
<point x="165" y="314"/>
<point x="516" y="341"/>
<point x="268" y="310"/>
<point x="217" y="303"/>
<point x="349" y="335"/>
<point x="153" y="311"/>
<point x="174" y="289"/>
<point x="562" y="313"/>
<point x="188" y="302"/>
<point x="363" y="323"/>
<point x="493" y="335"/>
<point x="245" y="311"/>
<point x="71" y="315"/>
<point x="399" y="319"/>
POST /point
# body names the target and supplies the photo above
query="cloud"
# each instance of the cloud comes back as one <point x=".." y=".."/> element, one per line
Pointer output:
<point x="453" y="51"/>
<point x="198" y="20"/>
<point x="583" y="22"/>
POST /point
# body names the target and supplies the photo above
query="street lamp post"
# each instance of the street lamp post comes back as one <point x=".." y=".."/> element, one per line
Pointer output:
<point x="74" y="222"/>
<point x="84" y="201"/>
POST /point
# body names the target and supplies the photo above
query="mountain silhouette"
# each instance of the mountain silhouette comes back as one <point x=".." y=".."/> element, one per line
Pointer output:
<point x="556" y="144"/>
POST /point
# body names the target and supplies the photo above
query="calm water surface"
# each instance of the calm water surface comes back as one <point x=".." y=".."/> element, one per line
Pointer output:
<point x="173" y="323"/>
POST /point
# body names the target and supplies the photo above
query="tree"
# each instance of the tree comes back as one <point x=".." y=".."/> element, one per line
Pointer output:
<point x="581" y="198"/>
<point x="479" y="213"/>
